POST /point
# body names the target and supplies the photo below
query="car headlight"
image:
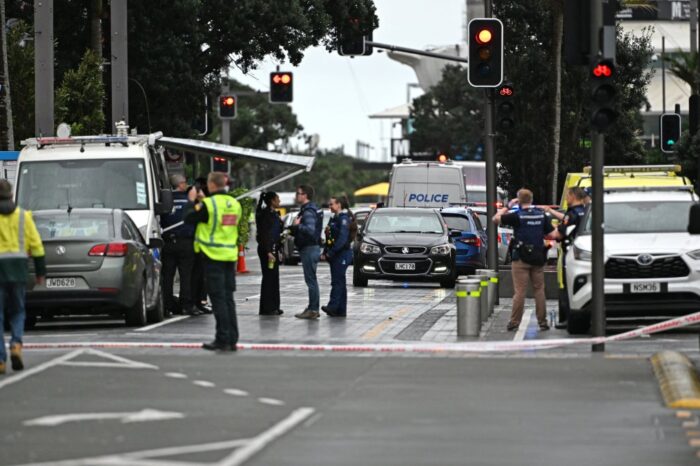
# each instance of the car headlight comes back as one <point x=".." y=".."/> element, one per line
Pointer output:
<point x="695" y="254"/>
<point x="581" y="254"/>
<point x="367" y="248"/>
<point x="442" y="250"/>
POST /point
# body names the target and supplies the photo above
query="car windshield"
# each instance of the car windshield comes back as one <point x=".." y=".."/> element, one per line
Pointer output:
<point x="73" y="225"/>
<point x="83" y="183"/>
<point x="404" y="222"/>
<point x="645" y="217"/>
<point x="457" y="222"/>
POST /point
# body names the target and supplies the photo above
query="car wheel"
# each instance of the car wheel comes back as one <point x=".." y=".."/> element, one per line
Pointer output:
<point x="157" y="314"/>
<point x="136" y="315"/>
<point x="358" y="279"/>
<point x="579" y="323"/>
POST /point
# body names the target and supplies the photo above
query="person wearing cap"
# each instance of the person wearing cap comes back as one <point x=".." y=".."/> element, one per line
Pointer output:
<point x="19" y="239"/>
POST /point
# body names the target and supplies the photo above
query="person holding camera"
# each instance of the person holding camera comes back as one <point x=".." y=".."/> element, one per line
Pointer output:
<point x="530" y="226"/>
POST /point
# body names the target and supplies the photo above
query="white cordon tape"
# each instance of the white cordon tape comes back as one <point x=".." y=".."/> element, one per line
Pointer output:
<point x="466" y="347"/>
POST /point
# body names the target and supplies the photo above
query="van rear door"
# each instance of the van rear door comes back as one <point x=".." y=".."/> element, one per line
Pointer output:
<point x="426" y="186"/>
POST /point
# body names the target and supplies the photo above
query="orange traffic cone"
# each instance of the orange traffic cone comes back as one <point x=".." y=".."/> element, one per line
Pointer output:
<point x="241" y="268"/>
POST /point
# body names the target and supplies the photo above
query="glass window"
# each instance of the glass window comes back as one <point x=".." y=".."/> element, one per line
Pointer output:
<point x="404" y="222"/>
<point x="83" y="183"/>
<point x="133" y="229"/>
<point x="457" y="222"/>
<point x="476" y="196"/>
<point x="73" y="225"/>
<point x="645" y="217"/>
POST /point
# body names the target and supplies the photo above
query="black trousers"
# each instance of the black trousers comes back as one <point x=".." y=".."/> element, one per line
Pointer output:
<point x="178" y="254"/>
<point x="199" y="279"/>
<point x="221" y="283"/>
<point x="270" y="286"/>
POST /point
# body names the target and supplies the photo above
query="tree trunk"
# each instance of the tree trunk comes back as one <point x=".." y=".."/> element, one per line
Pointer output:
<point x="96" y="26"/>
<point x="7" y="140"/>
<point x="558" y="17"/>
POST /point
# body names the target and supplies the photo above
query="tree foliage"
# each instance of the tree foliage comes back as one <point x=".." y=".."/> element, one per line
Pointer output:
<point x="20" y="56"/>
<point x="80" y="97"/>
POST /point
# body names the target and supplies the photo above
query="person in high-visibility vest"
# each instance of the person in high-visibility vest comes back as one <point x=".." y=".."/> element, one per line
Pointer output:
<point x="19" y="238"/>
<point x="216" y="236"/>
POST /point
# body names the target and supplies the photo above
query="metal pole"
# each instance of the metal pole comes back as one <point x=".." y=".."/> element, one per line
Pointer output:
<point x="597" y="156"/>
<point x="6" y="83"/>
<point x="120" y="62"/>
<point x="491" y="180"/>
<point x="396" y="48"/>
<point x="663" y="74"/>
<point x="693" y="26"/>
<point x="225" y="124"/>
<point x="43" y="68"/>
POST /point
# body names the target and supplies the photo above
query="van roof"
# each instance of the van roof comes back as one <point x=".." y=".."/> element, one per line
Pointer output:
<point x="84" y="147"/>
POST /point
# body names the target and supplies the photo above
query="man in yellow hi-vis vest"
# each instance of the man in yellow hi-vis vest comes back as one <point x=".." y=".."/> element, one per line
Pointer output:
<point x="18" y="239"/>
<point x="217" y="218"/>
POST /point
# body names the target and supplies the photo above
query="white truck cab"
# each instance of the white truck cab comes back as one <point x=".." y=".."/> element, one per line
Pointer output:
<point x="125" y="172"/>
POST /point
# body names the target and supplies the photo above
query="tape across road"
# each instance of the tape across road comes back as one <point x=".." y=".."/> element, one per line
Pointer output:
<point x="463" y="347"/>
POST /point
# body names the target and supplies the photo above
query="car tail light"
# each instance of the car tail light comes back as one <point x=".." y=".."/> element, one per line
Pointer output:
<point x="117" y="249"/>
<point x="98" y="250"/>
<point x="473" y="241"/>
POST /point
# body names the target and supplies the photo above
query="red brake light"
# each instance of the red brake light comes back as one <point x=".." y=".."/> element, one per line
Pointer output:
<point x="474" y="241"/>
<point x="98" y="250"/>
<point x="117" y="249"/>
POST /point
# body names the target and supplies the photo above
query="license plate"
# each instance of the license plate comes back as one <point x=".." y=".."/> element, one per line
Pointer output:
<point x="405" y="266"/>
<point x="645" y="287"/>
<point x="60" y="283"/>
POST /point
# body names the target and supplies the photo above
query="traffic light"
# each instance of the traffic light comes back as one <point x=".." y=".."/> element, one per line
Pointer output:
<point x="485" y="52"/>
<point x="351" y="40"/>
<point x="227" y="106"/>
<point x="670" y="132"/>
<point x="603" y="113"/>
<point x="220" y="164"/>
<point x="505" y="109"/>
<point x="281" y="87"/>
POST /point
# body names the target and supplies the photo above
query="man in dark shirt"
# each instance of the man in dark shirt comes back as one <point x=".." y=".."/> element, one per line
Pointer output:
<point x="530" y="226"/>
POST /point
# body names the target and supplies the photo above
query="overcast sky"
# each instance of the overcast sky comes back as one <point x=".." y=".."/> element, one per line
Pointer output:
<point x="334" y="95"/>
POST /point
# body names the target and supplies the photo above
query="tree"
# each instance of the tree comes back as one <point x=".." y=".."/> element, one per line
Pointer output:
<point x="80" y="97"/>
<point x="686" y="66"/>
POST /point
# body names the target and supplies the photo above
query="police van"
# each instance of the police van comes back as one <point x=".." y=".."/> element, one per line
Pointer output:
<point x="124" y="172"/>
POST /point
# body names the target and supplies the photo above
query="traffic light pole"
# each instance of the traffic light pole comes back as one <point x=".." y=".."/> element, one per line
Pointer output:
<point x="396" y="48"/>
<point x="491" y="180"/>
<point x="597" y="158"/>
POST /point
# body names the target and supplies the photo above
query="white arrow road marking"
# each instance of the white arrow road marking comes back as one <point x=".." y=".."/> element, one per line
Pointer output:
<point x="119" y="362"/>
<point x="139" y="416"/>
<point x="40" y="368"/>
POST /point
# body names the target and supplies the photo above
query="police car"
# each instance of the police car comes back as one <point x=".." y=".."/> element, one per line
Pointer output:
<point x="652" y="265"/>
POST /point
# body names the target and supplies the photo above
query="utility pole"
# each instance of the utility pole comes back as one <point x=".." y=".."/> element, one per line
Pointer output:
<point x="8" y="138"/>
<point x="491" y="175"/>
<point x="120" y="62"/>
<point x="597" y="156"/>
<point x="43" y="68"/>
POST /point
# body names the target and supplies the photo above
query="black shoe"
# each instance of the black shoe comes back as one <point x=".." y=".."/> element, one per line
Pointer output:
<point x="216" y="346"/>
<point x="280" y="312"/>
<point x="561" y="325"/>
<point x="204" y="309"/>
<point x="330" y="311"/>
<point x="512" y="327"/>
<point x="193" y="311"/>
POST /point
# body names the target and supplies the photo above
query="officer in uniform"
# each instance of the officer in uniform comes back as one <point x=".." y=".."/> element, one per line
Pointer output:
<point x="337" y="252"/>
<point x="530" y="226"/>
<point x="565" y="234"/>
<point x="217" y="218"/>
<point x="178" y="251"/>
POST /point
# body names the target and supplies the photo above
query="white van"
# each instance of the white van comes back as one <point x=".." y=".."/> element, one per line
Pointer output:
<point x="125" y="172"/>
<point x="432" y="184"/>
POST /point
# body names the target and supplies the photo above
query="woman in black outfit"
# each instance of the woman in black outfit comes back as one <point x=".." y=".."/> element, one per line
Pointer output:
<point x="269" y="230"/>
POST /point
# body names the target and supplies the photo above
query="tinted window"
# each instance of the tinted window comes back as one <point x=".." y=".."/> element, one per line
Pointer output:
<point x="645" y="217"/>
<point x="404" y="222"/>
<point x="133" y="230"/>
<point x="73" y="225"/>
<point x="457" y="222"/>
<point x="83" y="183"/>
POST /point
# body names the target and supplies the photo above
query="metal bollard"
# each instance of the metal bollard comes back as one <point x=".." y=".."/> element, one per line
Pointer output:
<point x="493" y="286"/>
<point x="484" y="287"/>
<point x="468" y="292"/>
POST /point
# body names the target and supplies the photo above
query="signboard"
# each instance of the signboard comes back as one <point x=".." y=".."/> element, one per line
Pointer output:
<point x="400" y="147"/>
<point x="662" y="10"/>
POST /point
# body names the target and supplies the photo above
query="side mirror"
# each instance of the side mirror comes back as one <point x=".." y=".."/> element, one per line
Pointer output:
<point x="155" y="243"/>
<point x="165" y="206"/>
<point x="694" y="219"/>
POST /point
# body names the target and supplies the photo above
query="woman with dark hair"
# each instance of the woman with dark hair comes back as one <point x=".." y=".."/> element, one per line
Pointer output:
<point x="340" y="233"/>
<point x="269" y="230"/>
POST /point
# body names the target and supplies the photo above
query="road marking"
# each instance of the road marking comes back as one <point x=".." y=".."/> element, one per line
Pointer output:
<point x="40" y="368"/>
<point x="377" y="330"/>
<point x="252" y="297"/>
<point x="524" y="323"/>
<point x="176" y="375"/>
<point x="204" y="383"/>
<point x="120" y="362"/>
<point x="160" y="324"/>
<point x="271" y="401"/>
<point x="258" y="443"/>
<point x="235" y="392"/>
<point x="145" y="415"/>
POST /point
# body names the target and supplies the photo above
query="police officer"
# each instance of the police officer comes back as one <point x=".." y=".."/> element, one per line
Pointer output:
<point x="337" y="252"/>
<point x="269" y="229"/>
<point x="178" y="251"/>
<point x="217" y="218"/>
<point x="566" y="233"/>
<point x="19" y="239"/>
<point x="530" y="226"/>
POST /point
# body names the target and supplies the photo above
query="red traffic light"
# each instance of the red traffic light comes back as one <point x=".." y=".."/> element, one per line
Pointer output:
<point x="442" y="158"/>
<point x="484" y="36"/>
<point x="603" y="70"/>
<point x="505" y="91"/>
<point x="228" y="101"/>
<point x="281" y="78"/>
